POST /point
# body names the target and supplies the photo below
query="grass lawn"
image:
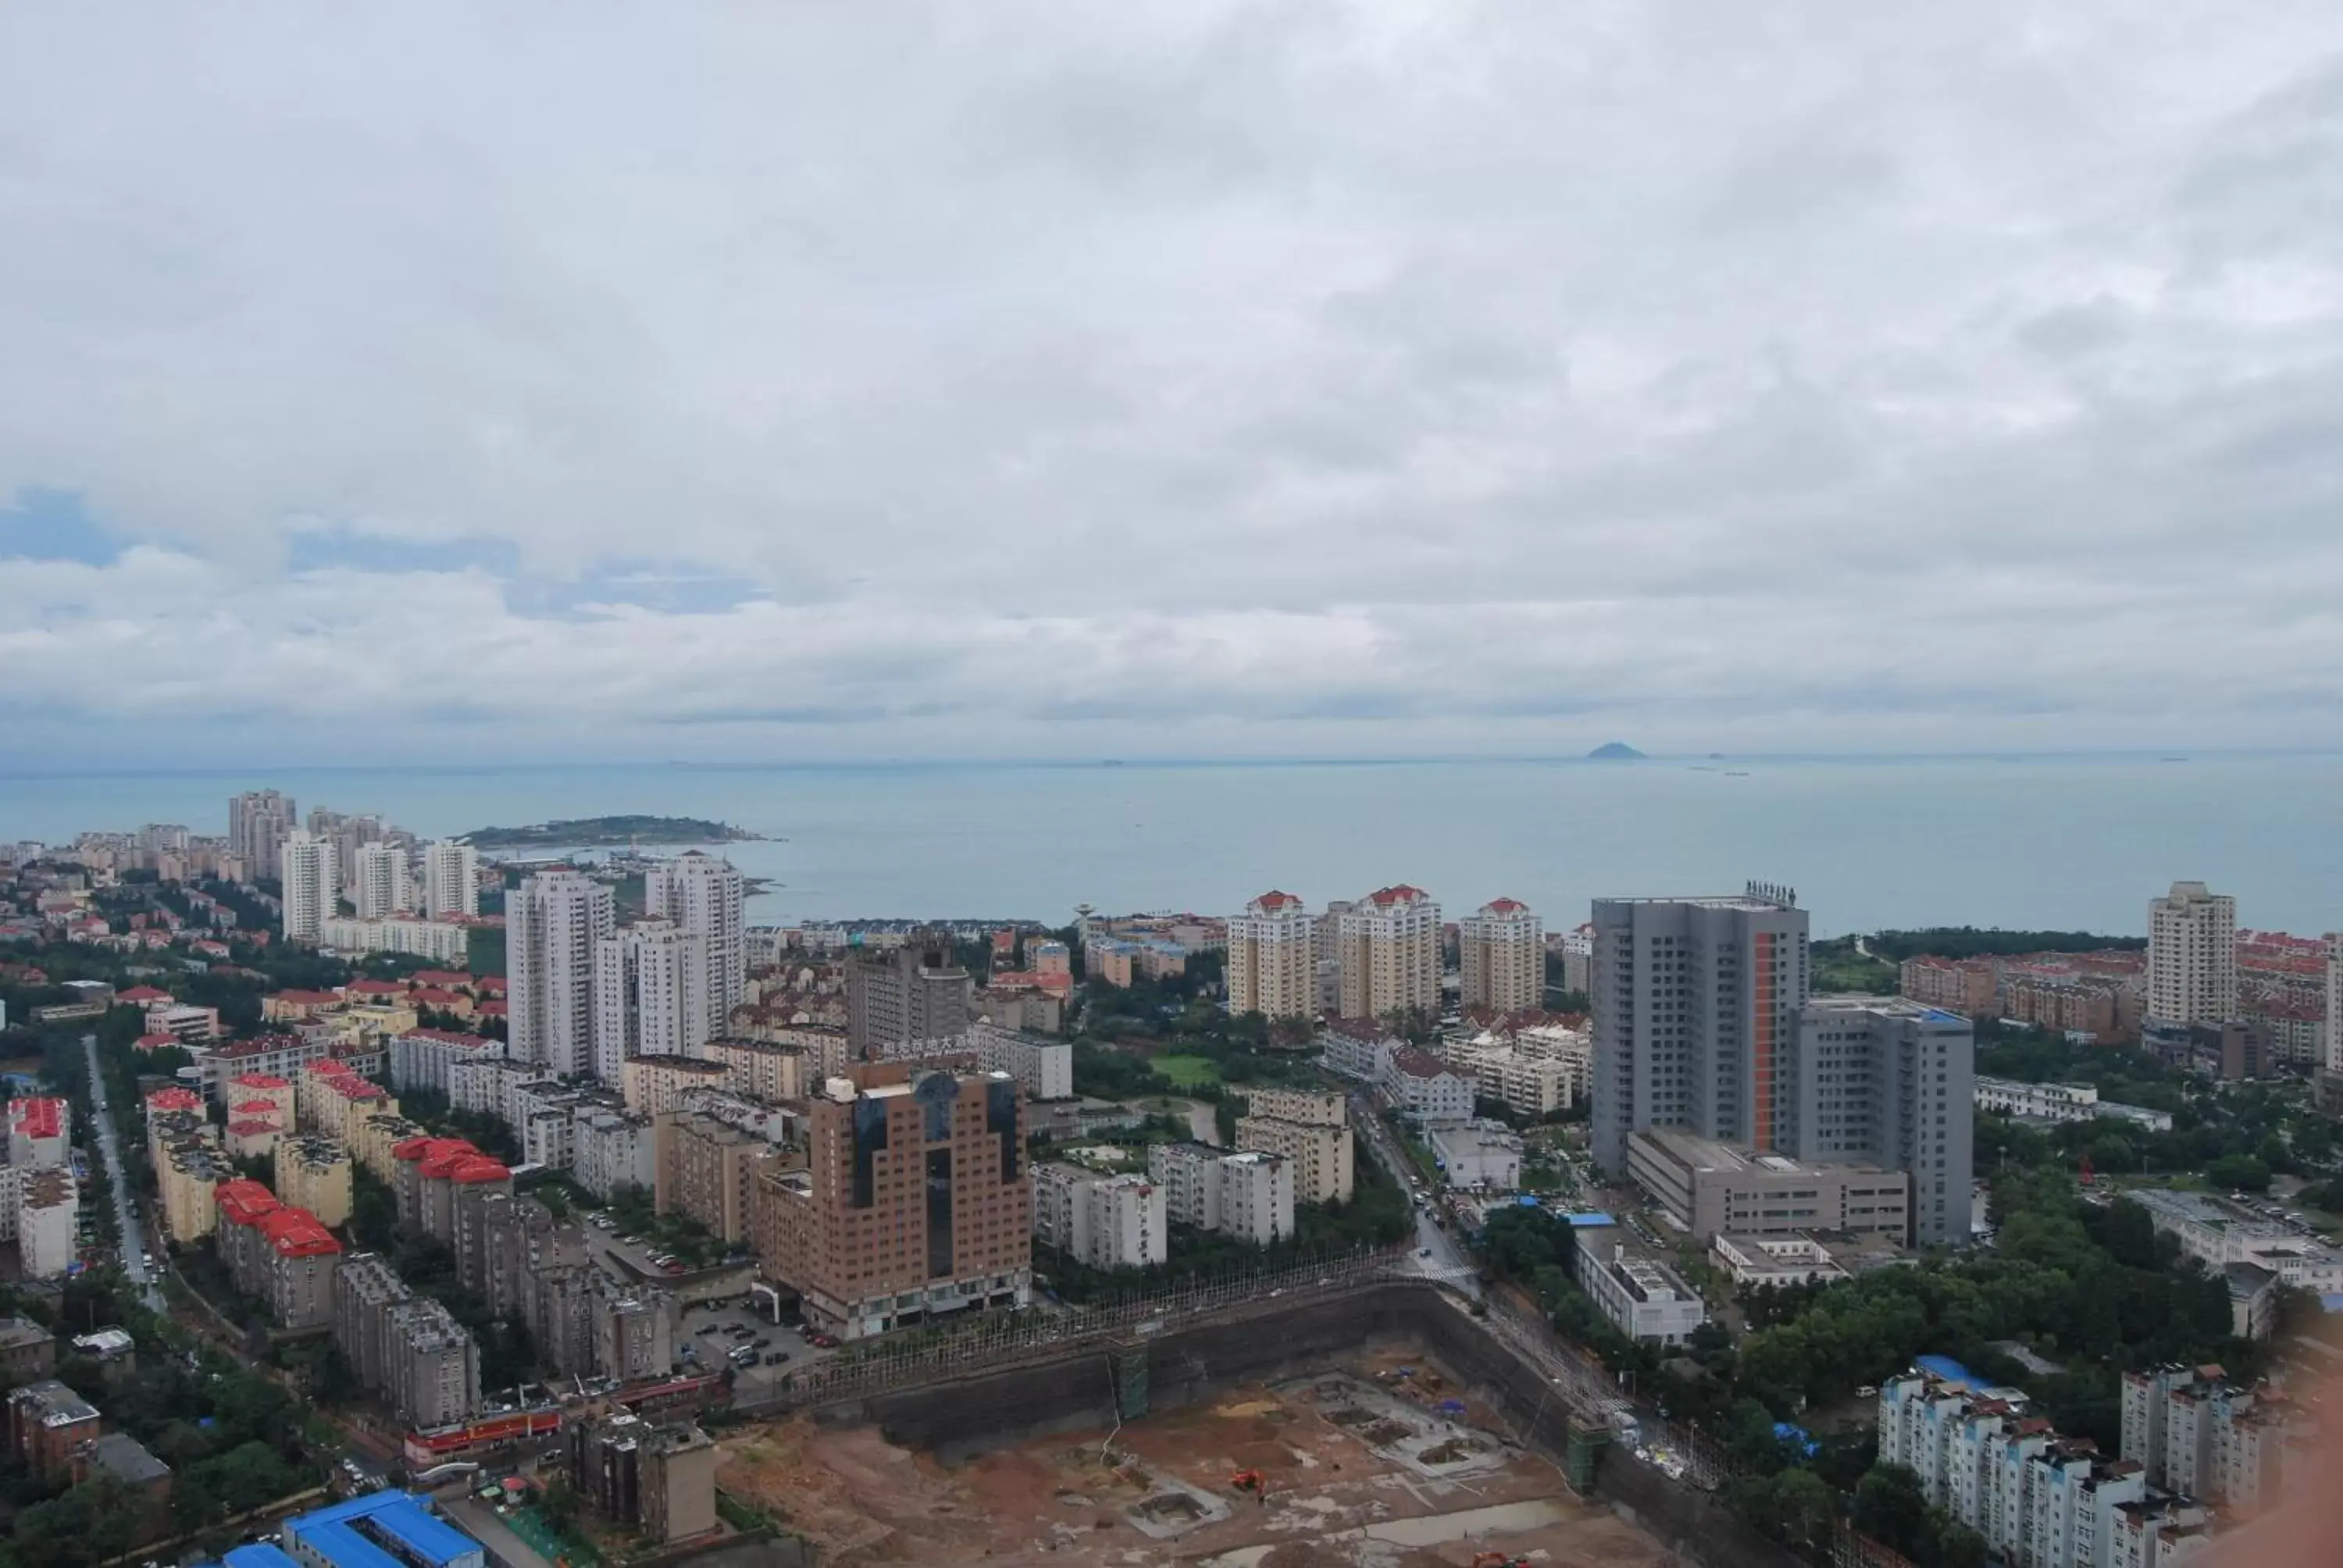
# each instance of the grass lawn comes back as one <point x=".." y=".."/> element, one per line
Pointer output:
<point x="1187" y="1071"/>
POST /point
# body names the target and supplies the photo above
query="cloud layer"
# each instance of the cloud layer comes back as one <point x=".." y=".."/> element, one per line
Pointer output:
<point x="1162" y="379"/>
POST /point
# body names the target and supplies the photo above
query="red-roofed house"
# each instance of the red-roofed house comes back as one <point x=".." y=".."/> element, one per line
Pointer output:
<point x="38" y="1133"/>
<point x="144" y="996"/>
<point x="154" y="1042"/>
<point x="291" y="1006"/>
<point x="375" y="989"/>
<point x="279" y="1254"/>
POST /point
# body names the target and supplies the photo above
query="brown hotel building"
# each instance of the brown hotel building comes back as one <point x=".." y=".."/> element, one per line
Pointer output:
<point x="915" y="1203"/>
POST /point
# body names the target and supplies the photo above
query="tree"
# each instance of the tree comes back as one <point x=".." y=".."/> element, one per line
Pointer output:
<point x="2241" y="1171"/>
<point x="1890" y="1508"/>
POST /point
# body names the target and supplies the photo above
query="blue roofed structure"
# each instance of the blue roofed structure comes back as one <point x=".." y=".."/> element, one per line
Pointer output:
<point x="259" y="1554"/>
<point x="1949" y="1370"/>
<point x="387" y="1529"/>
<point x="1593" y="1218"/>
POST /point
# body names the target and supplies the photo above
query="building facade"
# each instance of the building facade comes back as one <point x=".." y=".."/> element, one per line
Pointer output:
<point x="1695" y="1015"/>
<point x="451" y="879"/>
<point x="1889" y="1083"/>
<point x="554" y="924"/>
<point x="652" y="995"/>
<point x="2192" y="958"/>
<point x="705" y="897"/>
<point x="1501" y="958"/>
<point x="1388" y="954"/>
<point x="312" y="885"/>
<point x="1103" y="1222"/>
<point x="1272" y="959"/>
<point x="918" y="991"/>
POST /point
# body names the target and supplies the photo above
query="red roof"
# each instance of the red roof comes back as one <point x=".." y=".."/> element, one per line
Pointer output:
<point x="412" y="1148"/>
<point x="143" y="993"/>
<point x="244" y="1201"/>
<point x="450" y="1036"/>
<point x="155" y="1041"/>
<point x="253" y="1126"/>
<point x="297" y="1233"/>
<point x="478" y="1169"/>
<point x="261" y="1080"/>
<point x="1400" y="893"/>
<point x="306" y="997"/>
<point x="42" y="1117"/>
<point x="492" y="1010"/>
<point x="175" y="1100"/>
<point x="1506" y="906"/>
<point x="440" y="977"/>
<point x="375" y="987"/>
<point x="439" y="1155"/>
<point x="1274" y="900"/>
<point x="430" y="997"/>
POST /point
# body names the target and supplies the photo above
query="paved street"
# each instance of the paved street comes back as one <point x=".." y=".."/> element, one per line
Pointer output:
<point x="126" y="1210"/>
<point x="1447" y="1255"/>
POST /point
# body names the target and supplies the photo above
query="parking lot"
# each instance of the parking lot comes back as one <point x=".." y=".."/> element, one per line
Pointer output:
<point x="712" y="1331"/>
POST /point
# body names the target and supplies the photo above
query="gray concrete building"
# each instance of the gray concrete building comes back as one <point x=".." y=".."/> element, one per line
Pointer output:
<point x="1695" y="1015"/>
<point x="1891" y="1083"/>
<point x="917" y="991"/>
<point x="1715" y="1189"/>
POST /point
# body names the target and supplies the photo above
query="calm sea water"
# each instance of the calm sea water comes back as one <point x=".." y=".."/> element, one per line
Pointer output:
<point x="1873" y="843"/>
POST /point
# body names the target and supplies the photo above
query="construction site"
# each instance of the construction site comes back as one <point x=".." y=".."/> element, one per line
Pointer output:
<point x="1379" y="1460"/>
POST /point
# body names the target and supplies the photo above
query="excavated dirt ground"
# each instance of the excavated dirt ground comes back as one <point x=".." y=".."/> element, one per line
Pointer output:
<point x="1384" y="1491"/>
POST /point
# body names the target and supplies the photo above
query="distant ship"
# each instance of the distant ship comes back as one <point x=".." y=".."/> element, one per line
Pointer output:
<point x="1112" y="762"/>
<point x="1737" y="773"/>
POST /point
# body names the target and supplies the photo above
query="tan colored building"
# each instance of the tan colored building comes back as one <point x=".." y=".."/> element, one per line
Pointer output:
<point x="1387" y="954"/>
<point x="1501" y="957"/>
<point x="1320" y="1155"/>
<point x="660" y="1479"/>
<point x="1717" y="1189"/>
<point x="315" y="1173"/>
<point x="188" y="1174"/>
<point x="1272" y="960"/>
<point x="378" y="1135"/>
<point x="706" y="1169"/>
<point x="765" y="1069"/>
<point x="652" y="1083"/>
<point x="2192" y="957"/>
<point x="1958" y="985"/>
<point x="334" y="1100"/>
<point x="916" y="1206"/>
<point x="277" y="1254"/>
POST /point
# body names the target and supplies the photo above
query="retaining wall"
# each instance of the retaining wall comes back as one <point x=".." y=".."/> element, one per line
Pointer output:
<point x="970" y="1415"/>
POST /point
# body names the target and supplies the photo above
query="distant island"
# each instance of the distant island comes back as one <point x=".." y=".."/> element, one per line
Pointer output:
<point x="590" y="832"/>
<point x="1616" y="751"/>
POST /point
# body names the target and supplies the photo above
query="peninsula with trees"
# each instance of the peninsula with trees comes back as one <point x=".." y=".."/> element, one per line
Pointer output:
<point x="611" y="832"/>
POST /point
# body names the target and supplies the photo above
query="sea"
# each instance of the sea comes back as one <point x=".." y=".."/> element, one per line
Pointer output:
<point x="1869" y="843"/>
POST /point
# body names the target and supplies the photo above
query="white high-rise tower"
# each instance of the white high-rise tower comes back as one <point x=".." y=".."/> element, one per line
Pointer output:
<point x="2192" y="956"/>
<point x="451" y="879"/>
<point x="705" y="896"/>
<point x="650" y="996"/>
<point x="382" y="886"/>
<point x="554" y="926"/>
<point x="312" y="884"/>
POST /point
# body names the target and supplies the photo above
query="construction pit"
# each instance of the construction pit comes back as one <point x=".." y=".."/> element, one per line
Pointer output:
<point x="1378" y="1464"/>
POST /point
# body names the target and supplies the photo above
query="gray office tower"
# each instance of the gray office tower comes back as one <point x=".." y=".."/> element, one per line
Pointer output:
<point x="1696" y="1017"/>
<point x="1884" y="1082"/>
<point x="895" y="995"/>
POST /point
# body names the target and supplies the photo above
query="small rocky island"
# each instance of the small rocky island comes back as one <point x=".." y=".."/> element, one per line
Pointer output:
<point x="609" y="832"/>
<point x="1616" y="751"/>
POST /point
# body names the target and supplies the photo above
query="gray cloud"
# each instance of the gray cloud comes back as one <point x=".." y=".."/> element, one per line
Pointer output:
<point x="1260" y="377"/>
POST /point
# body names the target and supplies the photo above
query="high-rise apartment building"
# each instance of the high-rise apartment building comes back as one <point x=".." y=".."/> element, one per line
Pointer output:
<point x="704" y="895"/>
<point x="1882" y="1081"/>
<point x="2192" y="957"/>
<point x="915" y="1204"/>
<point x="555" y="923"/>
<point x="650" y="995"/>
<point x="917" y="991"/>
<point x="258" y="822"/>
<point x="451" y="879"/>
<point x="313" y="886"/>
<point x="383" y="885"/>
<point x="2331" y="1031"/>
<point x="1273" y="959"/>
<point x="1310" y="1128"/>
<point x="1387" y="951"/>
<point x="1695" y="1015"/>
<point x="1501" y="954"/>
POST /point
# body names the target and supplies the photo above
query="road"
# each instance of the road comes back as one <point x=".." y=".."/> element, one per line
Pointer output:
<point x="1446" y="1253"/>
<point x="125" y="1208"/>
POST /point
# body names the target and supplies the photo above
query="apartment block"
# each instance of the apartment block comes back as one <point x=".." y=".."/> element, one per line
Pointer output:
<point x="1696" y="1017"/>
<point x="2197" y="1434"/>
<point x="1959" y="985"/>
<point x="1248" y="1194"/>
<point x="660" y="1479"/>
<point x="315" y="1173"/>
<point x="1044" y="1069"/>
<point x="1426" y="1089"/>
<point x="1388" y="954"/>
<point x="767" y="1070"/>
<point x="257" y="825"/>
<point x="277" y="1254"/>
<point x="915" y="1205"/>
<point x="1103" y="1222"/>
<point x="451" y="880"/>
<point x="2217" y="1233"/>
<point x="706" y="1167"/>
<point x="895" y="995"/>
<point x="441" y="941"/>
<point x="704" y="896"/>
<point x="47" y="1424"/>
<point x="48" y="1207"/>
<point x="405" y="1347"/>
<point x="1501" y="954"/>
<point x="555" y="923"/>
<point x="1531" y="1085"/>
<point x="382" y="883"/>
<point x="2058" y="1103"/>
<point x="1713" y="1188"/>
<point x="611" y="1149"/>
<point x="1310" y="1130"/>
<point x="1889" y="1083"/>
<point x="420" y="1057"/>
<point x="2192" y="959"/>
<point x="653" y="1084"/>
<point x="312" y="885"/>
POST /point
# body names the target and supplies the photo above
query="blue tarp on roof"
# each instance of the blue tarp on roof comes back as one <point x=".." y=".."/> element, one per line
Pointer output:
<point x="1593" y="1218"/>
<point x="345" y="1548"/>
<point x="1785" y="1433"/>
<point x="395" y="1515"/>
<point x="1948" y="1369"/>
<point x="433" y="1540"/>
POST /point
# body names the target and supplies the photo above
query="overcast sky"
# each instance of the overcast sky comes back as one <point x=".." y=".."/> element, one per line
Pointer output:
<point x="1180" y="379"/>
